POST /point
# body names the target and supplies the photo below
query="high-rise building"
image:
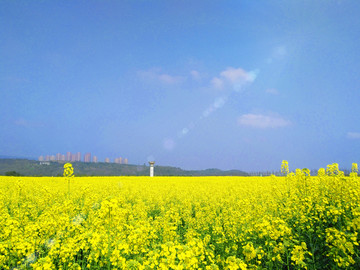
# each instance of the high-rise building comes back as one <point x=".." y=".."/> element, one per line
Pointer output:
<point x="118" y="160"/>
<point x="78" y="156"/>
<point x="62" y="157"/>
<point x="58" y="156"/>
<point x="87" y="157"/>
<point x="107" y="160"/>
<point x="68" y="156"/>
<point x="73" y="157"/>
<point x="52" y="158"/>
<point x="47" y="158"/>
<point x="95" y="159"/>
<point x="125" y="161"/>
<point x="41" y="158"/>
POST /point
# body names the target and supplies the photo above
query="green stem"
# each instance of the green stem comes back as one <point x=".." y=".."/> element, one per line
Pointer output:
<point x="69" y="188"/>
<point x="109" y="242"/>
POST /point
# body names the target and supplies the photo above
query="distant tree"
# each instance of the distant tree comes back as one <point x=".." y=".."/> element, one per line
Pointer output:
<point x="12" y="173"/>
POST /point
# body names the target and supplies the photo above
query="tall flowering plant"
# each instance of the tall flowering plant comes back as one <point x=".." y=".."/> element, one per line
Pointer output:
<point x="285" y="167"/>
<point x="68" y="173"/>
<point x="354" y="169"/>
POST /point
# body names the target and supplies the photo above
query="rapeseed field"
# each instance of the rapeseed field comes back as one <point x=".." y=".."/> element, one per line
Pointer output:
<point x="296" y="221"/>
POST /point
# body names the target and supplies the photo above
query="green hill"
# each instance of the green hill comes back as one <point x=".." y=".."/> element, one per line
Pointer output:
<point x="55" y="168"/>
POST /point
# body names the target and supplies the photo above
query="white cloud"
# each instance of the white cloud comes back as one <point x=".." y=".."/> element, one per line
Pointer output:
<point x="234" y="78"/>
<point x="217" y="83"/>
<point x="168" y="79"/>
<point x="156" y="75"/>
<point x="262" y="121"/>
<point x="272" y="91"/>
<point x="235" y="75"/>
<point x="353" y="135"/>
<point x="195" y="75"/>
<point x="219" y="102"/>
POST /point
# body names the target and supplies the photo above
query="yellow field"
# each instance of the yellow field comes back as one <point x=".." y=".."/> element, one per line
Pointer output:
<point x="292" y="222"/>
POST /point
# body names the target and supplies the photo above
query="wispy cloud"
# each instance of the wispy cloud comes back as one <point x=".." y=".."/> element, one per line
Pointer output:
<point x="169" y="79"/>
<point x="21" y="122"/>
<point x="195" y="75"/>
<point x="262" y="121"/>
<point x="272" y="91"/>
<point x="14" y="79"/>
<point x="217" y="83"/>
<point x="217" y="104"/>
<point x="235" y="78"/>
<point x="168" y="144"/>
<point x="279" y="52"/>
<point x="353" y="135"/>
<point x="235" y="75"/>
<point x="156" y="75"/>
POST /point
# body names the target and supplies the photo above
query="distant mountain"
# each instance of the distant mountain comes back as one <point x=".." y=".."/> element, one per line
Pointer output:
<point x="28" y="167"/>
<point x="15" y="157"/>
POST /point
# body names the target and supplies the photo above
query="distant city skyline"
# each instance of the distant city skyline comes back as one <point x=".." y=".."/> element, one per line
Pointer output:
<point x="76" y="157"/>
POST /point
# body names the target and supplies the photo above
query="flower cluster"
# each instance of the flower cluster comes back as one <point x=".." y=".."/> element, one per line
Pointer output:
<point x="285" y="167"/>
<point x="68" y="170"/>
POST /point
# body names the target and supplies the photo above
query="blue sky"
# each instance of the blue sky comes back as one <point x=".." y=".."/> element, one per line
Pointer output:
<point x="193" y="84"/>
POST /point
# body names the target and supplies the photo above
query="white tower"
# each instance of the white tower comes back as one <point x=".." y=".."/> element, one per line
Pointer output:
<point x="151" y="168"/>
